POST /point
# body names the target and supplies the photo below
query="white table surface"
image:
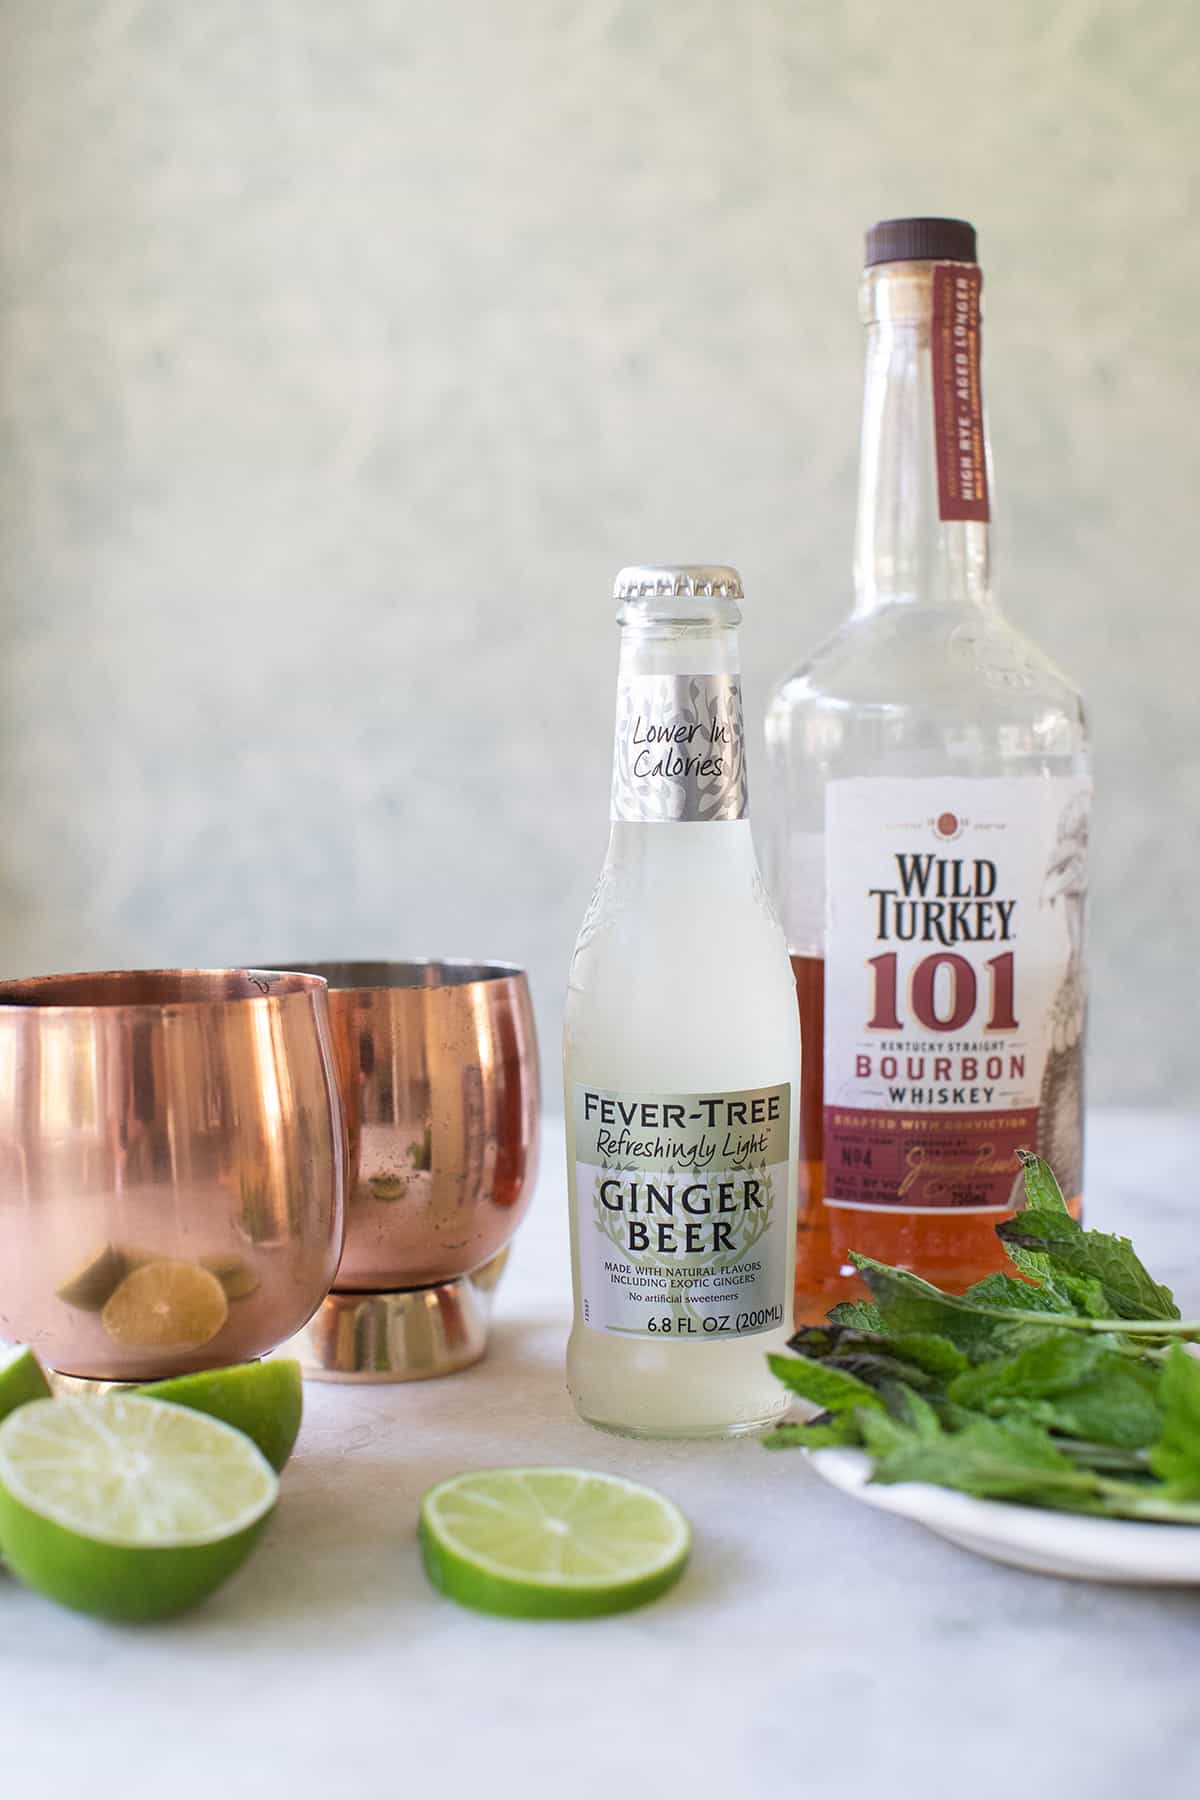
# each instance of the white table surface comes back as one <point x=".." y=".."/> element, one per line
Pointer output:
<point x="813" y="1647"/>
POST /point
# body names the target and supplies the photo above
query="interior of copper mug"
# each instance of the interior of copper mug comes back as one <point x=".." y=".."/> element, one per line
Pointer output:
<point x="155" y="987"/>
<point x="444" y="973"/>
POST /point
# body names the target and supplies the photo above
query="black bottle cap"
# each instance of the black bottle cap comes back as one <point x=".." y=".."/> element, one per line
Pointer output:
<point x="921" y="240"/>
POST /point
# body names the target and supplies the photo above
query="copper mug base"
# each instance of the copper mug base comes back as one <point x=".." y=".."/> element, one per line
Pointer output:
<point x="410" y="1334"/>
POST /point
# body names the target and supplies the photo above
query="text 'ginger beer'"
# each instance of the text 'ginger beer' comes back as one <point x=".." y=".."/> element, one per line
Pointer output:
<point x="681" y="1049"/>
<point x="930" y="796"/>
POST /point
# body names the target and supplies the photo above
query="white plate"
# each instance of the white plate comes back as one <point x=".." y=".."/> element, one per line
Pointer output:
<point x="1031" y="1537"/>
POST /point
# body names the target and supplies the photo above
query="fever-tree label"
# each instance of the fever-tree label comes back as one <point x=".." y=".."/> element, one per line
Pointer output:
<point x="954" y="989"/>
<point x="683" y="1211"/>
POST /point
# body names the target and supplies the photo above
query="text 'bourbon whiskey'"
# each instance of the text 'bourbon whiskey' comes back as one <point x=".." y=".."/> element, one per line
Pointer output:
<point x="929" y="831"/>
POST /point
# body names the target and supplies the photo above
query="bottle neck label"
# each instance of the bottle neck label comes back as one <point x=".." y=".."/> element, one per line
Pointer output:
<point x="679" y="749"/>
<point x="955" y="346"/>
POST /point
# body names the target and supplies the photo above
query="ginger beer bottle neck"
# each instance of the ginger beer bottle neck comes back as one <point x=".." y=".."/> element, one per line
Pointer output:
<point x="673" y="649"/>
<point x="906" y="551"/>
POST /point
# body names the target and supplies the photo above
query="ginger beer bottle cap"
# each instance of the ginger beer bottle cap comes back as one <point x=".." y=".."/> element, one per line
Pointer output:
<point x="698" y="581"/>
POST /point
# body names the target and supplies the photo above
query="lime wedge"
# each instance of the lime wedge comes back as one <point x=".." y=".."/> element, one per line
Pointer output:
<point x="22" y="1378"/>
<point x="235" y="1276"/>
<point x="551" y="1543"/>
<point x="96" y="1280"/>
<point x="126" y="1507"/>
<point x="265" y="1400"/>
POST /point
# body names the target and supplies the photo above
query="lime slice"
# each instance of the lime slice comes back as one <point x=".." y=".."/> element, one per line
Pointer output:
<point x="551" y="1543"/>
<point x="126" y="1507"/>
<point x="265" y="1400"/>
<point x="388" y="1187"/>
<point x="166" y="1306"/>
<point x="22" y="1378"/>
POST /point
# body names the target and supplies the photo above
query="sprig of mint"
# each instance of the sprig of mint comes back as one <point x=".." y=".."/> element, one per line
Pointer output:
<point x="1065" y="1384"/>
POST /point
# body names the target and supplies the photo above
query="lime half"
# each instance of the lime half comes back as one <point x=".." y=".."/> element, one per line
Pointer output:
<point x="22" y="1379"/>
<point x="551" y="1543"/>
<point x="265" y="1400"/>
<point x="126" y="1507"/>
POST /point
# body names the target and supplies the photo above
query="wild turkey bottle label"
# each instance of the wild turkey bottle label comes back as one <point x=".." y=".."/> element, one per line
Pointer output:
<point x="955" y="996"/>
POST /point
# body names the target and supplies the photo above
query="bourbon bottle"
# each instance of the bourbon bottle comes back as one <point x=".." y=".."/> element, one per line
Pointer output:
<point x="930" y="793"/>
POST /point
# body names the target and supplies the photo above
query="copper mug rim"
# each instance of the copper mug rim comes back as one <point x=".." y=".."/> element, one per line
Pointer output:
<point x="358" y="975"/>
<point x="156" y="991"/>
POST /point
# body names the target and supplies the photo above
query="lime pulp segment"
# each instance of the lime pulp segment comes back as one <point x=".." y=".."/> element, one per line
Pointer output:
<point x="551" y="1543"/>
<point x="123" y="1470"/>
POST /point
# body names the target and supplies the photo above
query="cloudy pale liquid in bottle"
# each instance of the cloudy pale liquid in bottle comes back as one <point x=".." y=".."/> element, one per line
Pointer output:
<point x="680" y="985"/>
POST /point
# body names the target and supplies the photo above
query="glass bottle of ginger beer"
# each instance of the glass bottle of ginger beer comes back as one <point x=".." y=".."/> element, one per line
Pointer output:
<point x="930" y="799"/>
<point x="681" y="1049"/>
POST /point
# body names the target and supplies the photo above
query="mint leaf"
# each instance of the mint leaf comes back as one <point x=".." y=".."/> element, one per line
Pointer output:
<point x="1022" y="1296"/>
<point x="1083" y="1292"/>
<point x="1127" y="1289"/>
<point x="1072" y="1385"/>
<point x="1175" y="1458"/>
<point x="910" y="1305"/>
<point x="934" y="1354"/>
<point x="914" y="1410"/>
<point x="1012" y="1459"/>
<point x="877" y="1358"/>
<point x="1115" y="1408"/>
<point x="821" y="1434"/>
<point x="833" y="1390"/>
<point x="862" y="1314"/>
<point x="1059" y="1361"/>
<point x="1061" y="1291"/>
<point x="995" y="1459"/>
<point x="1042" y="1192"/>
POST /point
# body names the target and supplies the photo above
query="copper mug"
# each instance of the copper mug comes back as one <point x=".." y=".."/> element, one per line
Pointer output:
<point x="438" y="1066"/>
<point x="173" y="1165"/>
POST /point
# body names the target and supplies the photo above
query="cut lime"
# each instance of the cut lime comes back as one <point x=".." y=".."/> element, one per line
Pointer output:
<point x="388" y="1187"/>
<point x="126" y="1507"/>
<point x="166" y="1306"/>
<point x="551" y="1543"/>
<point x="265" y="1400"/>
<point x="235" y="1276"/>
<point x="96" y="1280"/>
<point x="22" y="1379"/>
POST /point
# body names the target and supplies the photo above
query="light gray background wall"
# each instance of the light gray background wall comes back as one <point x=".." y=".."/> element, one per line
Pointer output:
<point x="347" y="350"/>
